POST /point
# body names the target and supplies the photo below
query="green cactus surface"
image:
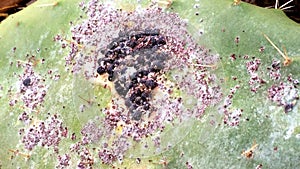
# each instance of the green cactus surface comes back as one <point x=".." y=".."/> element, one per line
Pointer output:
<point x="252" y="120"/>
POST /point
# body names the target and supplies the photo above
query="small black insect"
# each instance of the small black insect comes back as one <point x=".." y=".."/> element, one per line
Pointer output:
<point x="289" y="106"/>
<point x="136" y="115"/>
<point x="27" y="82"/>
<point x="138" y="160"/>
<point x="101" y="70"/>
<point x="276" y="65"/>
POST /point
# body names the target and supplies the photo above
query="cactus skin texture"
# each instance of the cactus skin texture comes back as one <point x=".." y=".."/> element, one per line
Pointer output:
<point x="255" y="124"/>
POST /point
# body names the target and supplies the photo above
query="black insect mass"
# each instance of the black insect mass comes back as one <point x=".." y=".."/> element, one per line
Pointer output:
<point x="146" y="55"/>
<point x="148" y="64"/>
<point x="128" y="45"/>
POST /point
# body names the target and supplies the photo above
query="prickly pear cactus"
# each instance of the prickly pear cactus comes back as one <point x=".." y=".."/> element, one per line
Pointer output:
<point x="164" y="84"/>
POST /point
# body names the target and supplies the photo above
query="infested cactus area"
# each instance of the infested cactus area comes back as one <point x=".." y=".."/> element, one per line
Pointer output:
<point x="172" y="84"/>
